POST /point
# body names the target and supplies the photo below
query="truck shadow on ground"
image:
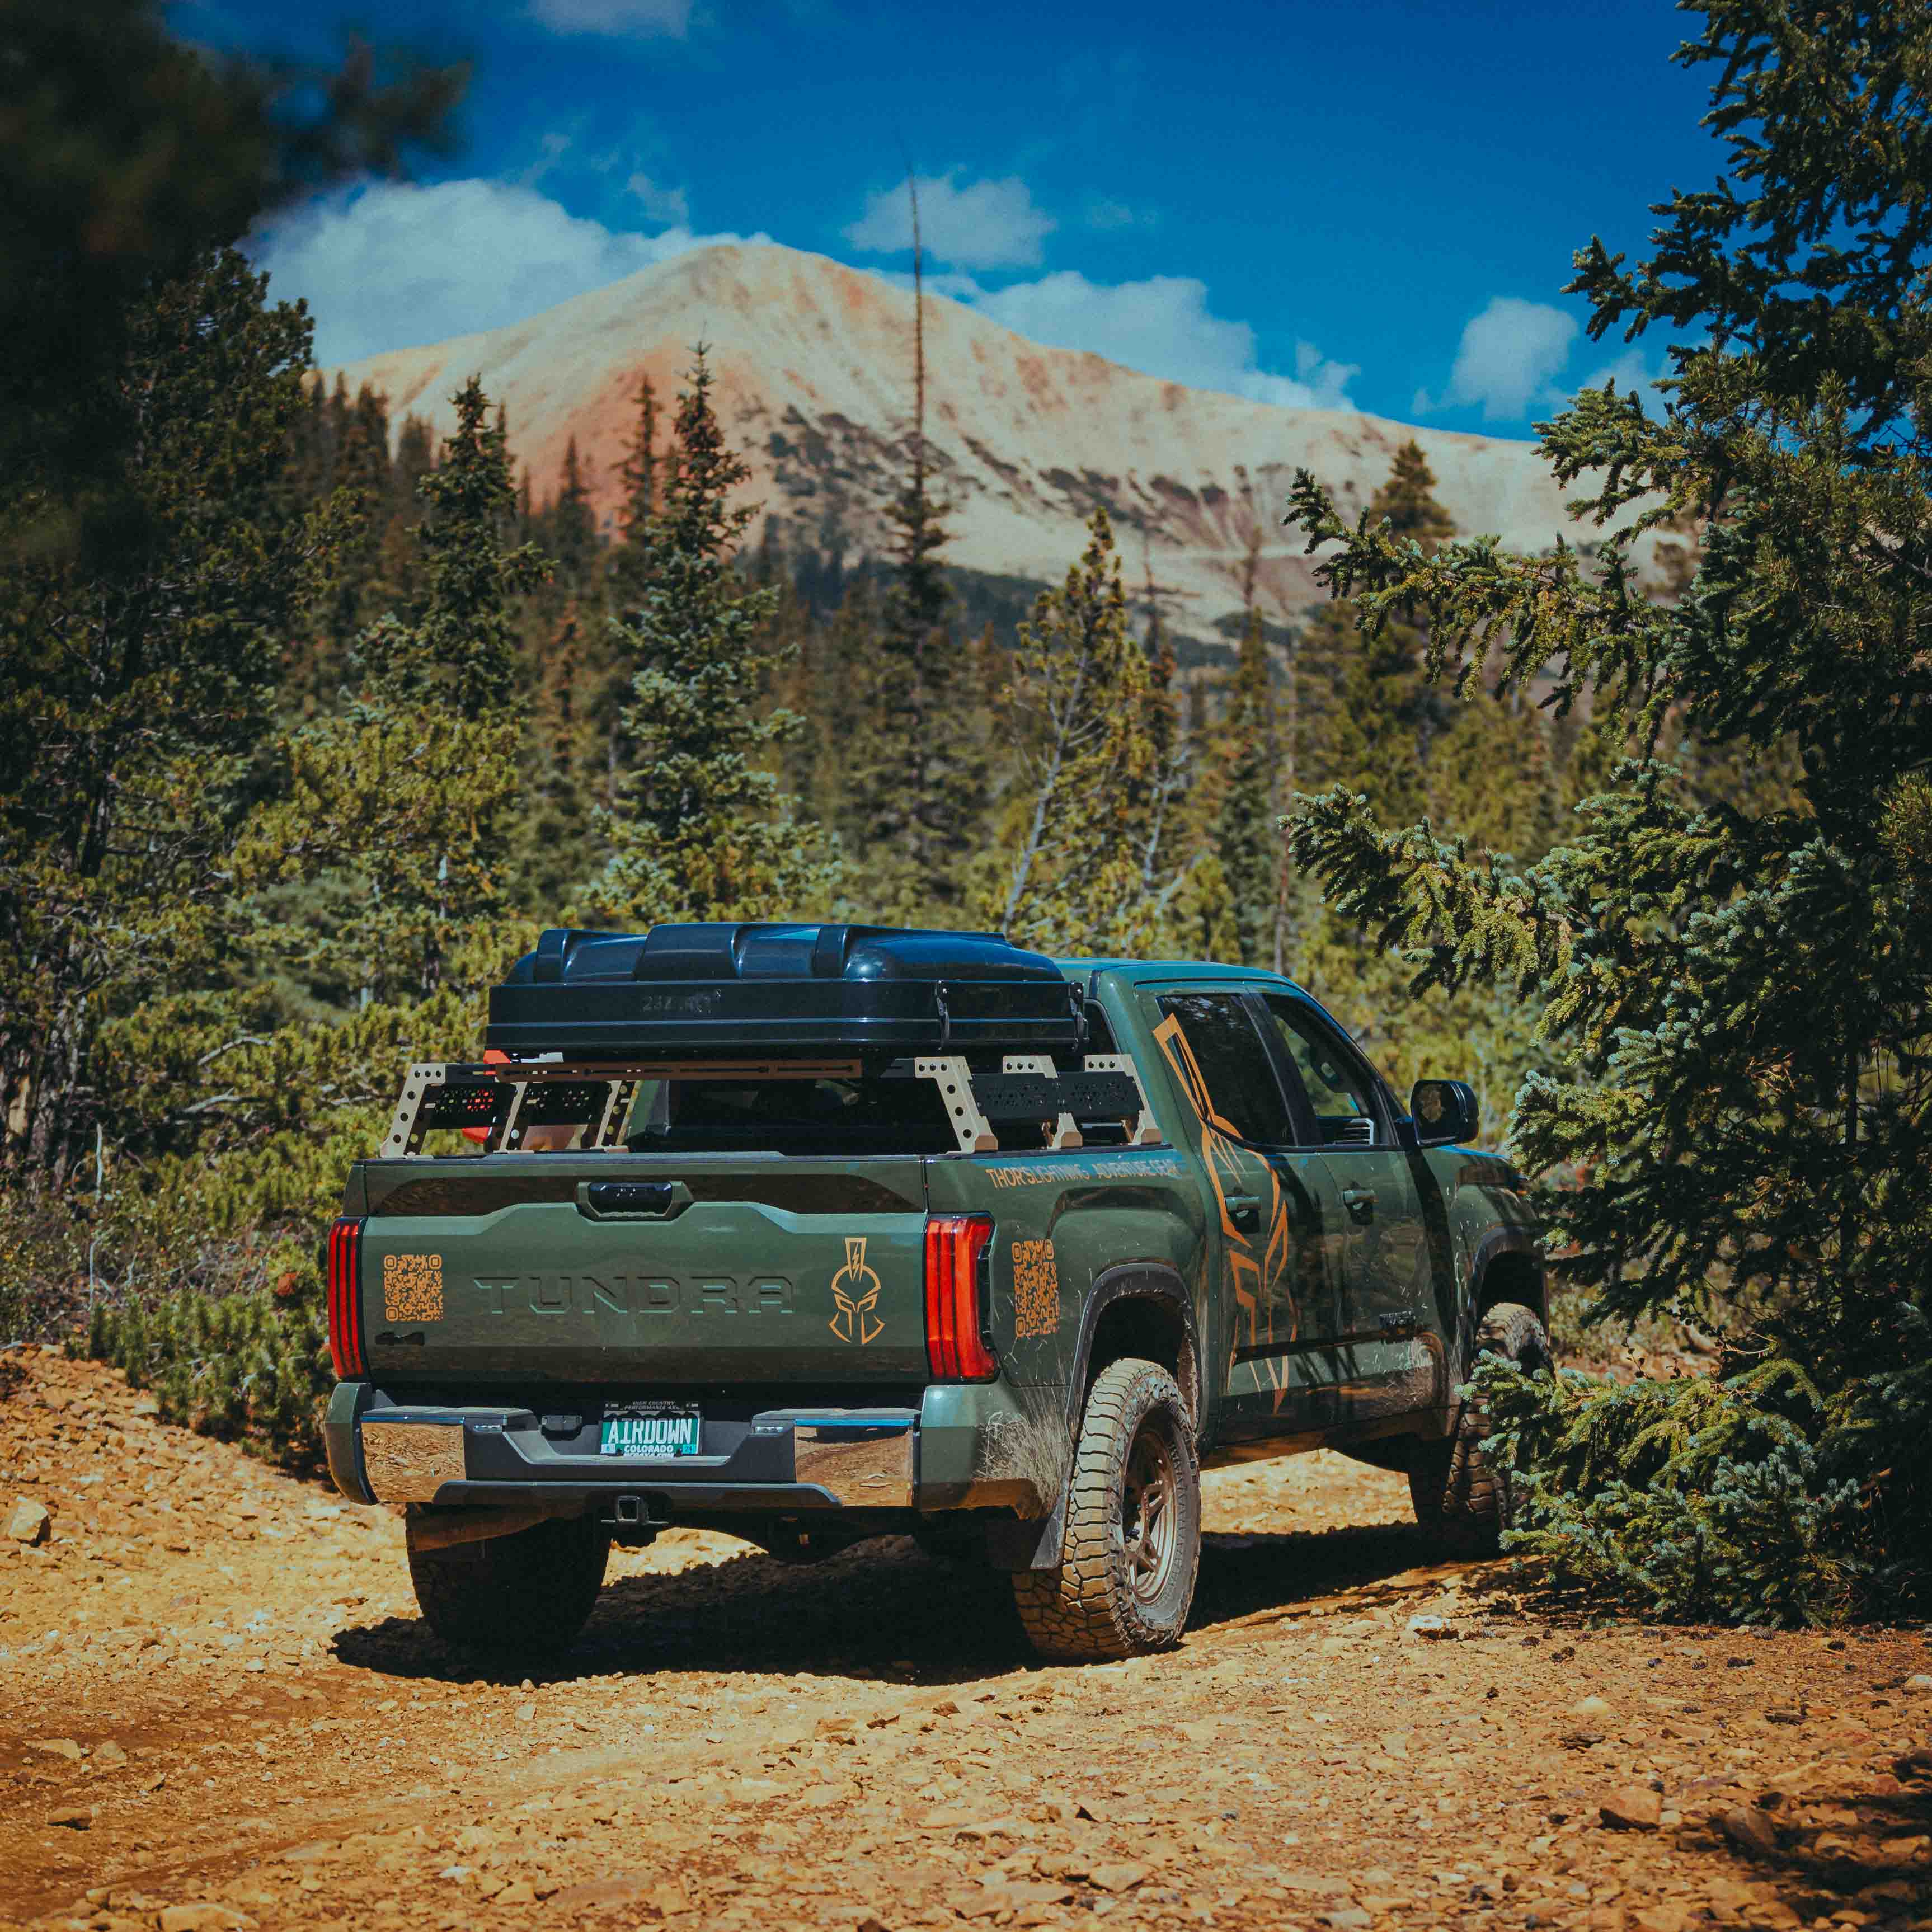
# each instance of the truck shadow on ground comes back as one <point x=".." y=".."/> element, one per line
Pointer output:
<point x="1844" y="1843"/>
<point x="882" y="1609"/>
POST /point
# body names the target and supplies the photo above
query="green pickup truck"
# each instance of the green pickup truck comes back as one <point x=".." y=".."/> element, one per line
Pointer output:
<point x="813" y="1233"/>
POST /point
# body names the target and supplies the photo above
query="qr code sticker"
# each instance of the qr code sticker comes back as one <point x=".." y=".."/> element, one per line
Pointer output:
<point x="412" y="1287"/>
<point x="1035" y="1289"/>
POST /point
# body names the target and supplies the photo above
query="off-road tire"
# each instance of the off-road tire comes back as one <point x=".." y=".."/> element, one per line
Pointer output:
<point x="1096" y="1604"/>
<point x="1461" y="1498"/>
<point x="528" y="1593"/>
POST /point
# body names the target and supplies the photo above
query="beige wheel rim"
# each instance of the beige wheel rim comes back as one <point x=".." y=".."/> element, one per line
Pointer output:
<point x="1149" y="1512"/>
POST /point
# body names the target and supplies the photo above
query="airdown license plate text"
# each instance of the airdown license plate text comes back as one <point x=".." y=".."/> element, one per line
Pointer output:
<point x="650" y="1435"/>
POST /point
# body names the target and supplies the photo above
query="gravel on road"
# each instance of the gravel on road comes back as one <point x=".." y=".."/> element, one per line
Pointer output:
<point x="219" y="1709"/>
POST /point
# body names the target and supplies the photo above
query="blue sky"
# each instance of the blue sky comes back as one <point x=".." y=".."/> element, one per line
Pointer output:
<point x="1370" y="204"/>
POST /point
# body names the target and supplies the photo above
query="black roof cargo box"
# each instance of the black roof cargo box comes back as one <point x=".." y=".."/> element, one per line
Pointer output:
<point x="728" y="989"/>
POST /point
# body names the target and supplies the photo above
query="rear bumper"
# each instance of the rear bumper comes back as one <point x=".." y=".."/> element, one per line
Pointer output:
<point x="784" y="1461"/>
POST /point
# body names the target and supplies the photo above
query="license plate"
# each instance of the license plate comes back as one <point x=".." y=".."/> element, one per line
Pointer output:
<point x="653" y="1435"/>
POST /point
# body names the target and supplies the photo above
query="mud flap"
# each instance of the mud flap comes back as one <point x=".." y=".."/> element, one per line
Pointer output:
<point x="1031" y="1545"/>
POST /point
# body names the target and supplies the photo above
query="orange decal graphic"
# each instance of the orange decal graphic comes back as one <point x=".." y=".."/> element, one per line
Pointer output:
<point x="1257" y="1278"/>
<point x="412" y="1287"/>
<point x="855" y="1288"/>
<point x="1035" y="1289"/>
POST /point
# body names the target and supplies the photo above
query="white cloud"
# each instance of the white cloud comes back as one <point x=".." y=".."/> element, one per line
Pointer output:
<point x="395" y="265"/>
<point x="668" y="204"/>
<point x="962" y="288"/>
<point x="1510" y="357"/>
<point x="1163" y="327"/>
<point x="1632" y="370"/>
<point x="986" y="224"/>
<point x="626" y="17"/>
<point x="1318" y="383"/>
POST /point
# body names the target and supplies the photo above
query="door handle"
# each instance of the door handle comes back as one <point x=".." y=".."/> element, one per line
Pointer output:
<point x="1361" y="1203"/>
<point x="1244" y="1212"/>
<point x="632" y="1200"/>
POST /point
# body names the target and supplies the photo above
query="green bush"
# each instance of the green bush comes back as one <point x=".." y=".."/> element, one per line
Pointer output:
<point x="217" y="1300"/>
<point x="1745" y="1498"/>
<point x="250" y="1366"/>
<point x="196" y="1292"/>
<point x="43" y="1265"/>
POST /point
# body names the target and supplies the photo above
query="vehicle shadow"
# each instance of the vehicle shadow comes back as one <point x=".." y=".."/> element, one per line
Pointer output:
<point x="884" y="1610"/>
<point x="1844" y="1844"/>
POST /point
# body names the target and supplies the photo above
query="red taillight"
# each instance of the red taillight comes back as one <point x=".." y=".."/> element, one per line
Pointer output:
<point x="345" y="1299"/>
<point x="955" y="1343"/>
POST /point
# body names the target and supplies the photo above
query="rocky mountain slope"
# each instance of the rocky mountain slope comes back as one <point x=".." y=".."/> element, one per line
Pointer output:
<point x="814" y="361"/>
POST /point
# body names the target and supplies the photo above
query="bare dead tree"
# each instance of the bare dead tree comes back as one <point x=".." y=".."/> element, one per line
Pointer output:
<point x="918" y="337"/>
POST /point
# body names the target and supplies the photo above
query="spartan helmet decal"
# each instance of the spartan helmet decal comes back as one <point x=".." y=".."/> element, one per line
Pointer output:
<point x="855" y="1288"/>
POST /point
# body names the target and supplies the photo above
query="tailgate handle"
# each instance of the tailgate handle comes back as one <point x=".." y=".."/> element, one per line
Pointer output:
<point x="632" y="1200"/>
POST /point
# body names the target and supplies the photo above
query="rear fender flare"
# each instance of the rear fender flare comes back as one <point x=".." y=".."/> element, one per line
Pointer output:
<point x="1149" y="1281"/>
<point x="1034" y="1542"/>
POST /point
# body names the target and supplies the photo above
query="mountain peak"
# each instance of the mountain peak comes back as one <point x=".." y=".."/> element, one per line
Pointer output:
<point x="814" y="366"/>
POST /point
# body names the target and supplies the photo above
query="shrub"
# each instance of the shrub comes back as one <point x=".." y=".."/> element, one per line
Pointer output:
<point x="1745" y="1498"/>
<point x="249" y="1366"/>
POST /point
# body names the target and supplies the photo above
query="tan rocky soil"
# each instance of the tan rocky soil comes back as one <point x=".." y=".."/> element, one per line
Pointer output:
<point x="218" y="1708"/>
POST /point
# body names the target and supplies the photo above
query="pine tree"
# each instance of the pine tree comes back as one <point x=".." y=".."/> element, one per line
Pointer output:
<point x="1486" y="772"/>
<point x="1739" y="990"/>
<point x="135" y="685"/>
<point x="460" y="650"/>
<point x="631" y="563"/>
<point x="375" y="874"/>
<point x="832" y="694"/>
<point x="359" y="471"/>
<point x="573" y="526"/>
<point x="918" y="780"/>
<point x="405" y="807"/>
<point x="1406" y="503"/>
<point x="1245" y="837"/>
<point x="1204" y="924"/>
<point x="1490" y="778"/>
<point x="1089" y="871"/>
<point x="701" y="831"/>
<point x="1372" y="715"/>
<point x="607" y="663"/>
<point x="1162" y="828"/>
<point x="397" y="584"/>
<point x="574" y="683"/>
<point x="127" y="159"/>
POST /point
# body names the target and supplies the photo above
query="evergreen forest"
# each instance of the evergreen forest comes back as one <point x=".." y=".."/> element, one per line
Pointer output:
<point x="310" y="720"/>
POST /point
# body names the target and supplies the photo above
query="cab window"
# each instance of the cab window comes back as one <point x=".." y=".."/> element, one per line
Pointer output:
<point x="1211" y="1044"/>
<point x="1339" y="1087"/>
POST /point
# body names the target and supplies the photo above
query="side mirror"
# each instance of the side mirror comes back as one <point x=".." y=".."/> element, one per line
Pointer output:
<point x="1445" y="1112"/>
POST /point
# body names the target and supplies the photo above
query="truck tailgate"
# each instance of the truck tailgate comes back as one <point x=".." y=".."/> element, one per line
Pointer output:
<point x="614" y="1268"/>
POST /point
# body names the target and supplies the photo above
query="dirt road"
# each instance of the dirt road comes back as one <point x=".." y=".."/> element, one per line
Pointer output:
<point x="217" y="1708"/>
